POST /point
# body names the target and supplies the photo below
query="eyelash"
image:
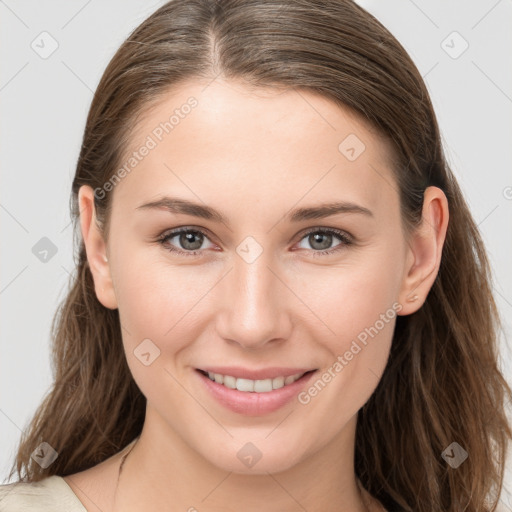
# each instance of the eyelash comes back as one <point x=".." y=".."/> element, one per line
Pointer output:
<point x="345" y="239"/>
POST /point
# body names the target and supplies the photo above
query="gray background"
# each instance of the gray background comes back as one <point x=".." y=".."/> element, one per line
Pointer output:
<point x="44" y="107"/>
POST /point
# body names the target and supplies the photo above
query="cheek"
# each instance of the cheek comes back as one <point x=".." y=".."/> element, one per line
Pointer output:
<point x="158" y="298"/>
<point x="158" y="303"/>
<point x="357" y="357"/>
<point x="351" y="297"/>
<point x="357" y="307"/>
<point x="157" y="313"/>
<point x="163" y="303"/>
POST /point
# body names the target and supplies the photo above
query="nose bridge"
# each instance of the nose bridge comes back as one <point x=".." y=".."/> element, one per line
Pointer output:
<point x="254" y="310"/>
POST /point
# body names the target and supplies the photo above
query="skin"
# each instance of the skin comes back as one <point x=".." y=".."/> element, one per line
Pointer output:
<point x="254" y="155"/>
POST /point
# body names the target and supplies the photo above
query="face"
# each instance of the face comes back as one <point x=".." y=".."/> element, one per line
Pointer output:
<point x="269" y="285"/>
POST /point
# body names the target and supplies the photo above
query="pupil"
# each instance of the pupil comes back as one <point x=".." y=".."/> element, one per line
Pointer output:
<point x="318" y="238"/>
<point x="187" y="238"/>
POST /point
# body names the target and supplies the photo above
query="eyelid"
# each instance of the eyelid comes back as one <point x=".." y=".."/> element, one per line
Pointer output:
<point x="302" y="234"/>
<point x="346" y="238"/>
<point x="176" y="231"/>
<point x="339" y="232"/>
<point x="171" y="233"/>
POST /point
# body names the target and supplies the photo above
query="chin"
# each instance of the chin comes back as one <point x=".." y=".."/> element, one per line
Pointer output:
<point x="257" y="457"/>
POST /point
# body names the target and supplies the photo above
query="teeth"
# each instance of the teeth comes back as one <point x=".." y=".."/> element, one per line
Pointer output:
<point x="289" y="380"/>
<point x="255" y="386"/>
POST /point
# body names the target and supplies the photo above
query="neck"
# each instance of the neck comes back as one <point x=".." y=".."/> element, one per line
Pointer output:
<point x="172" y="472"/>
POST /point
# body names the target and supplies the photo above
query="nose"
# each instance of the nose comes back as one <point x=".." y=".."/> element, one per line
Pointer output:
<point x="254" y="309"/>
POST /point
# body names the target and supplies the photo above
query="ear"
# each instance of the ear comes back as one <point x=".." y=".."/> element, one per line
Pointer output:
<point x="424" y="251"/>
<point x="96" y="248"/>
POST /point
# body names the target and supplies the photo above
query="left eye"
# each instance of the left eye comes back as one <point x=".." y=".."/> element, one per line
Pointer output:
<point x="191" y="241"/>
<point x="322" y="239"/>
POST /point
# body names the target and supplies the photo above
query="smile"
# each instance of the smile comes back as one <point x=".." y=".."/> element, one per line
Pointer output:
<point x="253" y="386"/>
<point x="267" y="391"/>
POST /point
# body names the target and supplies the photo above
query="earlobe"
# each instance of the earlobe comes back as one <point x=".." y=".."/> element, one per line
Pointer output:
<point x="424" y="251"/>
<point x="95" y="248"/>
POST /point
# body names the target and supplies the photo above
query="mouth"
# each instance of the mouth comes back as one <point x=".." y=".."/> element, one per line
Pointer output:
<point x="254" y="385"/>
<point x="257" y="396"/>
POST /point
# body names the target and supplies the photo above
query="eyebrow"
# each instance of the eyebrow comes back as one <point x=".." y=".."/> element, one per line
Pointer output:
<point x="186" y="207"/>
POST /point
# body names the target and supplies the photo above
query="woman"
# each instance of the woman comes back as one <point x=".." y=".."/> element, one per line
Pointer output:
<point x="214" y="351"/>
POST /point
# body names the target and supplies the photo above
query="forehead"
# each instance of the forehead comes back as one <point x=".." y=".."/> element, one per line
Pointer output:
<point x="209" y="141"/>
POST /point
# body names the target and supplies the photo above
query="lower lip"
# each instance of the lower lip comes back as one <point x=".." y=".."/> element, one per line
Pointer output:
<point x="251" y="403"/>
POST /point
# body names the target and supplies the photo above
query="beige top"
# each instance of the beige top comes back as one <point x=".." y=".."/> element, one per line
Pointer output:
<point x="52" y="494"/>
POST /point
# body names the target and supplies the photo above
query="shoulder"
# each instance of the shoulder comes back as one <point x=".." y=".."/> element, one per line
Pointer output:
<point x="52" y="494"/>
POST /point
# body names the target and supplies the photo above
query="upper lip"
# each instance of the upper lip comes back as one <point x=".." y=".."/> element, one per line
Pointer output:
<point x="252" y="374"/>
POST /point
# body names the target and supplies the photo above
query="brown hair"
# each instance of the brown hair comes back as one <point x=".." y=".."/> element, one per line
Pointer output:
<point x="442" y="383"/>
